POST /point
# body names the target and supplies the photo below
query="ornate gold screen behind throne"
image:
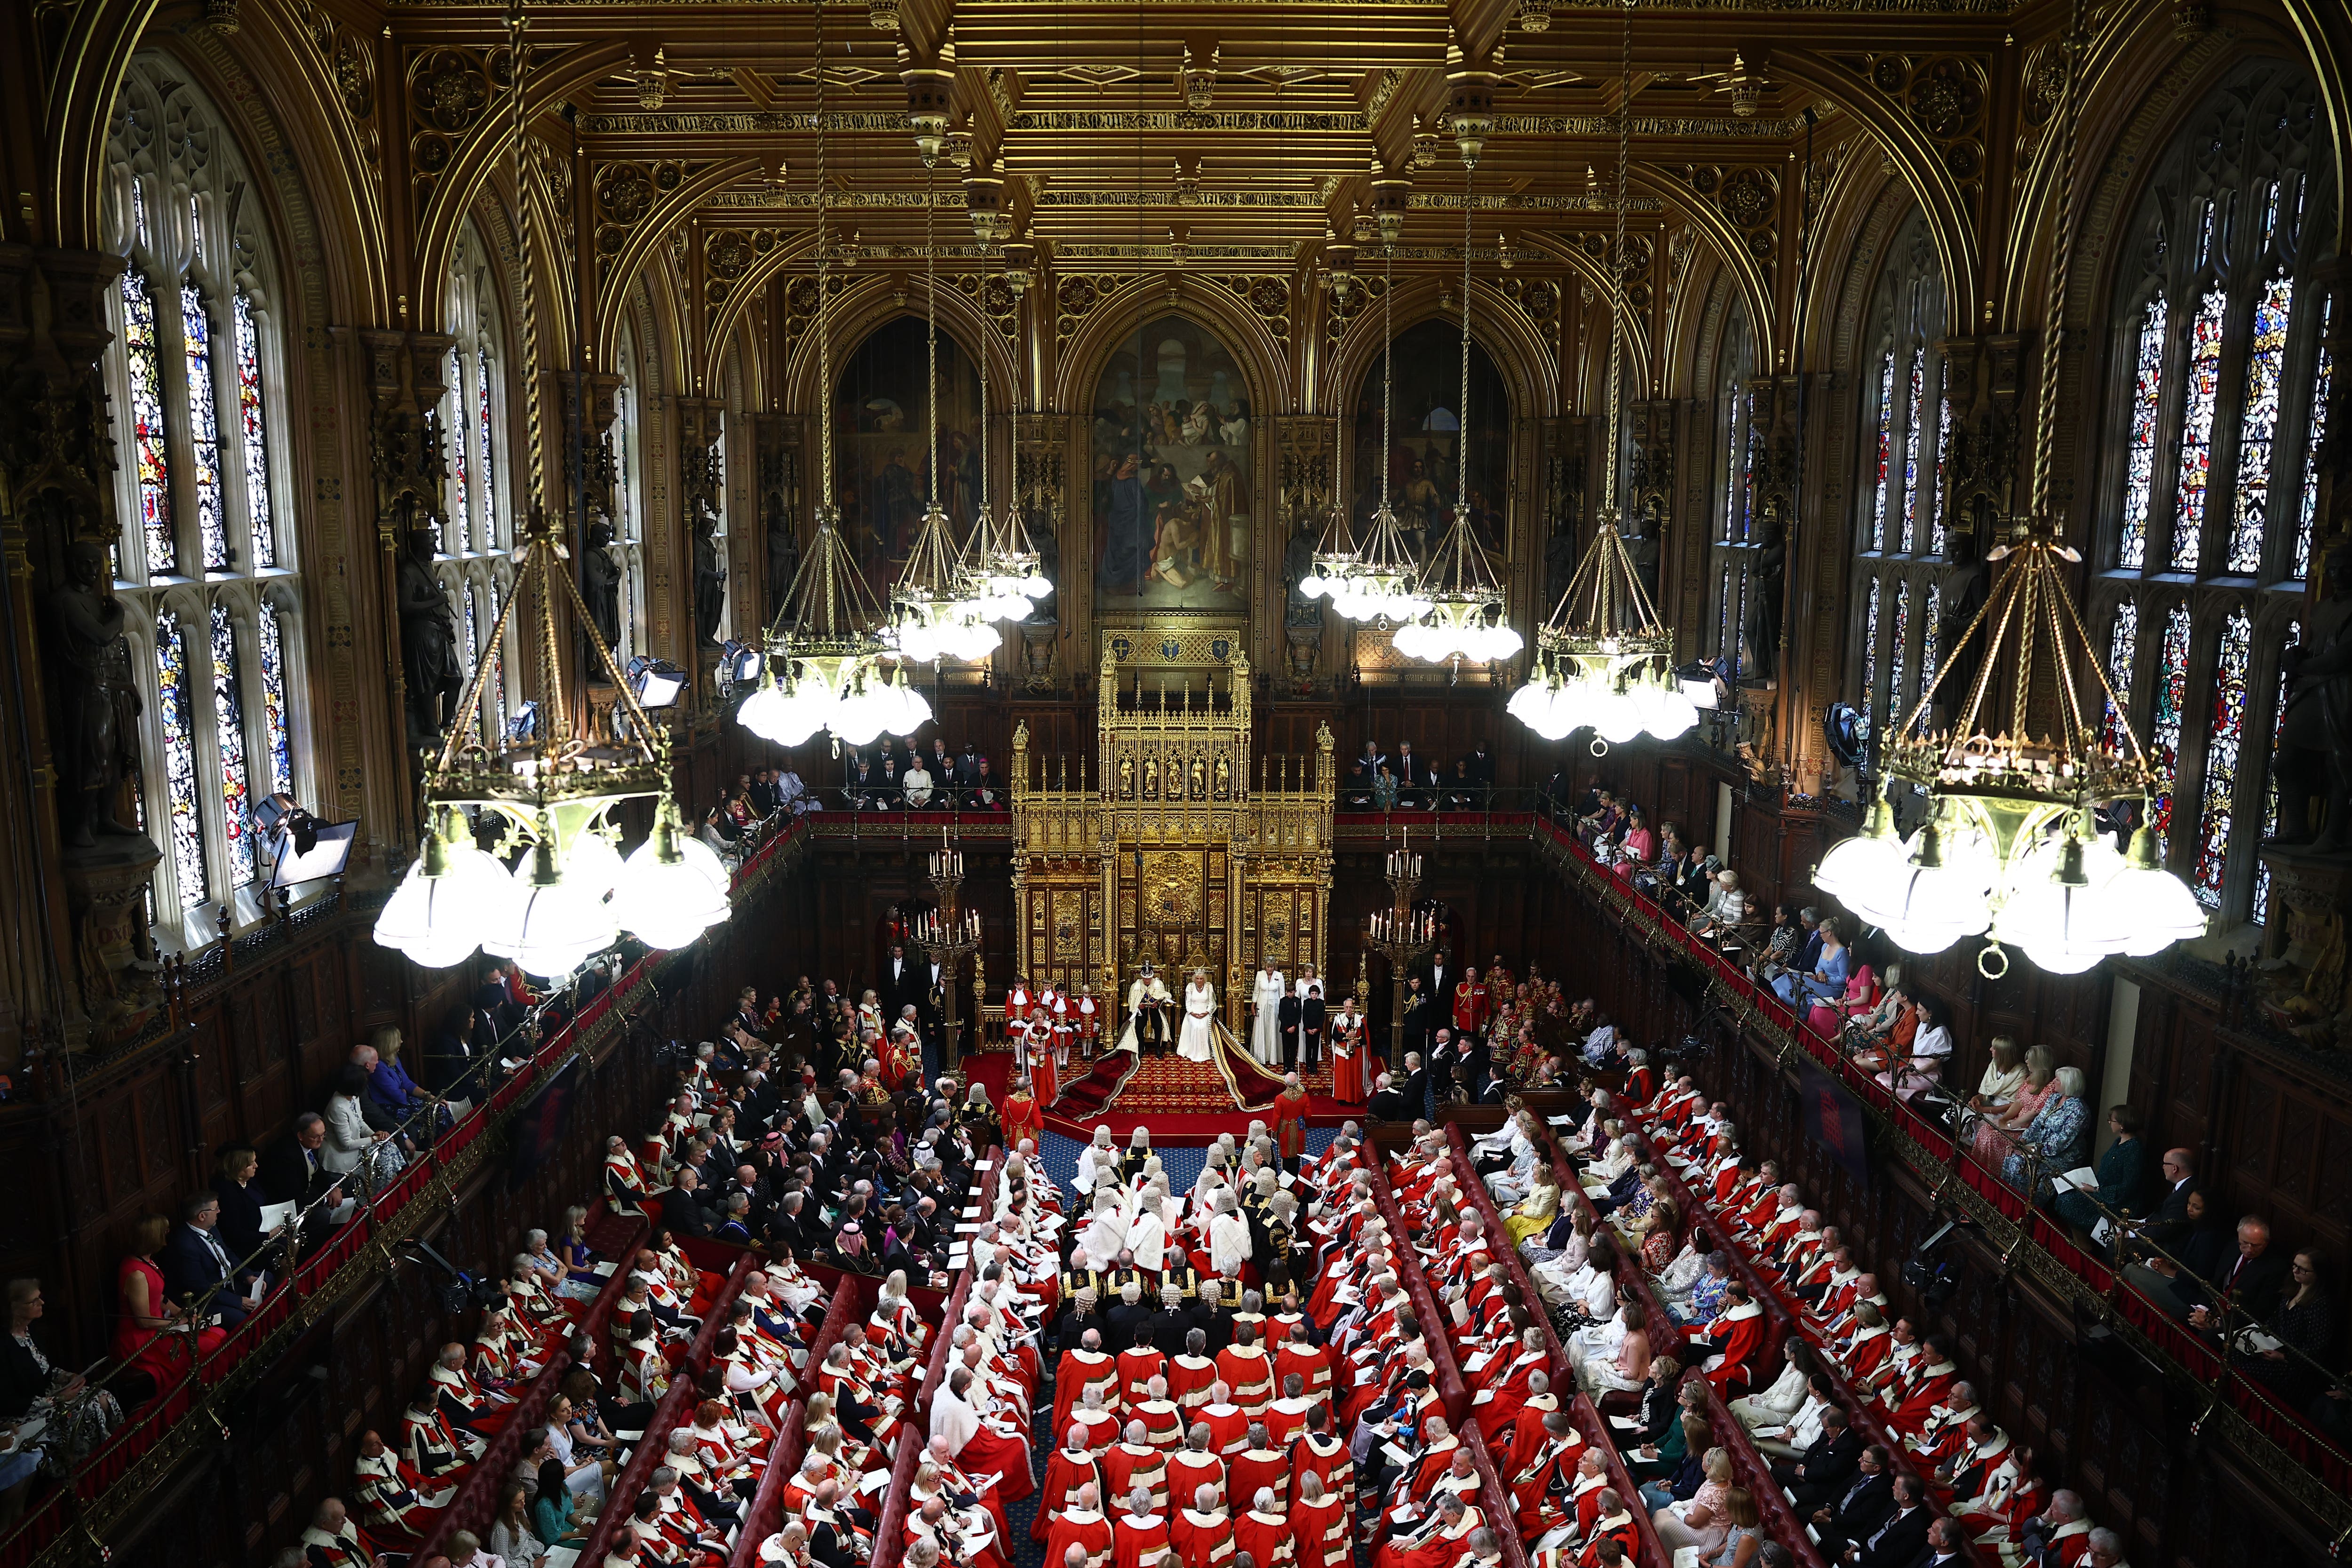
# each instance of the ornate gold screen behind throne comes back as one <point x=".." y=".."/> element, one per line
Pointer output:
<point x="1181" y="848"/>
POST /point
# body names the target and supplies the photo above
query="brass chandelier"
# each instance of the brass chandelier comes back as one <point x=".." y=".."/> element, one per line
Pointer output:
<point x="2008" y="846"/>
<point x="572" y="892"/>
<point x="829" y="634"/>
<point x="1606" y="660"/>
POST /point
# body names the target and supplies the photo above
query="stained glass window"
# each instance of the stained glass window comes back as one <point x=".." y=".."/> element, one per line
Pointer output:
<point x="146" y="367"/>
<point x="2258" y="420"/>
<point x="203" y="428"/>
<point x="139" y="210"/>
<point x="1885" y="449"/>
<point x="1898" y="638"/>
<point x="494" y="684"/>
<point x="1935" y="611"/>
<point x="460" y="512"/>
<point x="1916" y="390"/>
<point x="228" y="729"/>
<point x="2196" y="427"/>
<point x="2269" y="776"/>
<point x="2164" y="724"/>
<point x="1869" y="658"/>
<point x="473" y="636"/>
<point x="2222" y="735"/>
<point x="489" y="490"/>
<point x="2139" y="468"/>
<point x="273" y="699"/>
<point x="2323" y="378"/>
<point x="2204" y="233"/>
<point x="1943" y="451"/>
<point x="2122" y="647"/>
<point x="256" y="440"/>
<point x="179" y="715"/>
<point x="1723" y="616"/>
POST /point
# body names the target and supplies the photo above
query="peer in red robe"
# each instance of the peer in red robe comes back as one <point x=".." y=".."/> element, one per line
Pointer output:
<point x="1140" y="1540"/>
<point x="1081" y="1527"/>
<point x="1202" y="1539"/>
<point x="1267" y="1538"/>
<point x="1065" y="1472"/>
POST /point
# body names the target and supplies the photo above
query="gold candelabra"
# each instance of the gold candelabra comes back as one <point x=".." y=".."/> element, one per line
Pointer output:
<point x="948" y="935"/>
<point x="1401" y="936"/>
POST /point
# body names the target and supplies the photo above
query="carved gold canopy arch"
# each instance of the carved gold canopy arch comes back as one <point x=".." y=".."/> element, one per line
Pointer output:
<point x="1173" y="843"/>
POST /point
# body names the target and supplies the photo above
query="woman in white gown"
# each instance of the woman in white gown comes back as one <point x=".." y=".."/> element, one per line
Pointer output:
<point x="1266" y="1033"/>
<point x="1197" y="1042"/>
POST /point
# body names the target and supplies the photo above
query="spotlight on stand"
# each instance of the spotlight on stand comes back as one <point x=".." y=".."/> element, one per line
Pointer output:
<point x="456" y="1289"/>
<point x="1927" y="1271"/>
<point x="657" y="682"/>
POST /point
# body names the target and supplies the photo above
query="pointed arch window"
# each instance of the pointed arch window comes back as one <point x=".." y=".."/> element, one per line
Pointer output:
<point x="2225" y="728"/>
<point x="2258" y="423"/>
<point x="1915" y="389"/>
<point x="1886" y="475"/>
<point x="2147" y="400"/>
<point x="213" y="586"/>
<point x="2171" y="702"/>
<point x="476" y="545"/>
<point x="2123" y="646"/>
<point x="203" y="428"/>
<point x="1869" y="658"/>
<point x="2196" y="428"/>
<point x="629" y="524"/>
<point x="151" y="441"/>
<point x="2322" y="384"/>
<point x="2217" y="378"/>
<point x="177" y="710"/>
<point x="252" y="429"/>
<point x="2294" y="639"/>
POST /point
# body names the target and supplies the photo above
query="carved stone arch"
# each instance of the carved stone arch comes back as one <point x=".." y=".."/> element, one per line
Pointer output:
<point x="1263" y="358"/>
<point x="2142" y="86"/>
<point x="97" y="47"/>
<point x="1523" y="364"/>
<point x="486" y="147"/>
<point x="1863" y="262"/>
<point x="2108" y="241"/>
<point x="2320" y="29"/>
<point x="1724" y="240"/>
<point x="642" y="238"/>
<point x="1726" y="305"/>
<point x="1958" y="246"/>
<point x="870" y="303"/>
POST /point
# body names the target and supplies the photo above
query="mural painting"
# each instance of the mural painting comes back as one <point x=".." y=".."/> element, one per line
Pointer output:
<point x="881" y="465"/>
<point x="1424" y="450"/>
<point x="1173" y="476"/>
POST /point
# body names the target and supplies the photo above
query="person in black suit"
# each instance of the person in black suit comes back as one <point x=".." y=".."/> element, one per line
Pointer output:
<point x="241" y="1196"/>
<point x="2248" y="1283"/>
<point x="1945" y="1544"/>
<point x="1860" y="1509"/>
<point x="1287" y="1017"/>
<point x="1416" y="1088"/>
<point x="1314" y="1019"/>
<point x="2167" y="1226"/>
<point x="1172" y="1327"/>
<point x="292" y="1173"/>
<point x="194" y="1263"/>
<point x="1390" y="1103"/>
<point x="1828" y="1468"/>
<point x="1414" y="778"/>
<point x="682" y="1209"/>
<point x="1900" y="1537"/>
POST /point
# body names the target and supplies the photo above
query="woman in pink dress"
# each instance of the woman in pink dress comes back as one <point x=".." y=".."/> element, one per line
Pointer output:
<point x="1996" y="1137"/>
<point x="1860" y="998"/>
<point x="150" y="1331"/>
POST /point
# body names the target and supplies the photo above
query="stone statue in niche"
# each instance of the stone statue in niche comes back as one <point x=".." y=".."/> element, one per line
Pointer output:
<point x="1560" y="560"/>
<point x="2315" y="748"/>
<point x="709" y="581"/>
<point x="428" y="644"/>
<point x="1764" y="597"/>
<point x="1642" y="549"/>
<point x="783" y="546"/>
<point x="1963" y="595"/>
<point x="1045" y="534"/>
<point x="600" y="589"/>
<point x="97" y="704"/>
<point x="1298" y="565"/>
